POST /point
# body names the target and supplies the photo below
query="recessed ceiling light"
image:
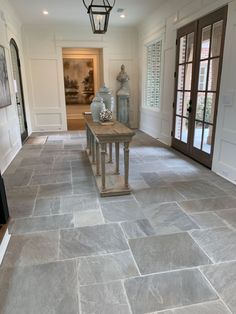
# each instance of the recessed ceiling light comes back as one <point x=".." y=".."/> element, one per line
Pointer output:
<point x="45" y="12"/>
<point x="122" y="16"/>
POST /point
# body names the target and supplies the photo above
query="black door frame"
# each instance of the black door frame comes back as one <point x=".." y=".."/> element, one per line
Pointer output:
<point x="24" y="136"/>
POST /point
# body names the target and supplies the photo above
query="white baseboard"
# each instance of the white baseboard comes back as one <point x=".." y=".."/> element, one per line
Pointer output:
<point x="3" y="245"/>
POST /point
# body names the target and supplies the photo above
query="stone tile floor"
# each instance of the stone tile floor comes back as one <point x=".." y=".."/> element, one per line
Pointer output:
<point x="169" y="247"/>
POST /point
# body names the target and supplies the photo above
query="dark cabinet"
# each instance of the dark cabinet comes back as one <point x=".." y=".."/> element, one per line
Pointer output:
<point x="4" y="213"/>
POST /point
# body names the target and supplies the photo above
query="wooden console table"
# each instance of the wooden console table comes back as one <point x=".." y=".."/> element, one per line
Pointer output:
<point x="109" y="180"/>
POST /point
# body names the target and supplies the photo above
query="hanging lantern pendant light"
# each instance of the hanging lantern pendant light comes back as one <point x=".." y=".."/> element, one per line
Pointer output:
<point x="99" y="15"/>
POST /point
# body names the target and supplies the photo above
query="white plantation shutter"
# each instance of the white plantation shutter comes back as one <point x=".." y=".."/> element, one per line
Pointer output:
<point x="153" y="78"/>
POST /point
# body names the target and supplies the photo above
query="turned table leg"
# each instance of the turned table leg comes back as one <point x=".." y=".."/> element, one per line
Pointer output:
<point x="98" y="158"/>
<point x="126" y="160"/>
<point x="103" y="166"/>
<point x="93" y="149"/>
<point x="117" y="146"/>
<point x="89" y="142"/>
<point x="110" y="153"/>
<point x="87" y="137"/>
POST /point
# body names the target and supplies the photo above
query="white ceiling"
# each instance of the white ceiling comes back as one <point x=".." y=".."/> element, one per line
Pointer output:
<point x="73" y="11"/>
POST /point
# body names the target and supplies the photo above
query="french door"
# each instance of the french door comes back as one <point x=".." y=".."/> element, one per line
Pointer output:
<point x="18" y="89"/>
<point x="199" y="58"/>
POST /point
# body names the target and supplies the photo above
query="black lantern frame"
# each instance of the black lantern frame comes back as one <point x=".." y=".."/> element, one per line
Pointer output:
<point x="99" y="15"/>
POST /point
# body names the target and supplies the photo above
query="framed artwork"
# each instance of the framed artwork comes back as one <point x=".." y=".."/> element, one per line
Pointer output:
<point x="79" y="80"/>
<point x="5" y="95"/>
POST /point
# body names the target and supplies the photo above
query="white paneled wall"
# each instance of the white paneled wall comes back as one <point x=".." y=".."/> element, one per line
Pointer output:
<point x="10" y="141"/>
<point x="165" y="22"/>
<point x="225" y="149"/>
<point x="43" y="47"/>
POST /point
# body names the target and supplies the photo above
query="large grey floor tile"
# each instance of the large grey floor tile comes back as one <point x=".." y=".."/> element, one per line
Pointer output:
<point x="52" y="178"/>
<point x="40" y="289"/>
<point x="82" y="172"/>
<point x="76" y="203"/>
<point x="21" y="201"/>
<point x="169" y="290"/>
<point x="43" y="223"/>
<point x="169" y="218"/>
<point x="104" y="298"/>
<point x="229" y="216"/>
<point x="93" y="240"/>
<point x="208" y="220"/>
<point x="106" y="268"/>
<point x="153" y="179"/>
<point x="158" y="195"/>
<point x="28" y="161"/>
<point x="219" y="244"/>
<point x="20" y="177"/>
<point x="46" y="206"/>
<point x="88" y="218"/>
<point x="209" y="204"/>
<point x="167" y="252"/>
<point x="138" y="229"/>
<point x="223" y="279"/>
<point x="54" y="190"/>
<point x="214" y="307"/>
<point x="137" y="185"/>
<point x="82" y="185"/>
<point x="197" y="189"/>
<point x="122" y="211"/>
<point x="129" y="197"/>
<point x="33" y="249"/>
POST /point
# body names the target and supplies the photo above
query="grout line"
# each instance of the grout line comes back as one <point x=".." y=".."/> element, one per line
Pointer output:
<point x="33" y="211"/>
<point x="214" y="289"/>
<point x="126" y="296"/>
<point x="189" y="306"/>
<point x="127" y="240"/>
<point x="203" y="250"/>
<point x="78" y="286"/>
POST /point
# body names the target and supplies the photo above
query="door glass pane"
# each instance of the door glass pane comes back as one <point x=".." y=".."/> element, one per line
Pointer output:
<point x="207" y="139"/>
<point x="213" y="74"/>
<point x="200" y="106"/>
<point x="185" y="130"/>
<point x="202" y="75"/>
<point x="187" y="97"/>
<point x="182" y="49"/>
<point x="198" y="135"/>
<point x="188" y="76"/>
<point x="206" y="39"/>
<point x="181" y="78"/>
<point x="17" y="89"/>
<point x="210" y="107"/>
<point x="178" y="126"/>
<point x="179" y="105"/>
<point x="190" y="43"/>
<point x="216" y="38"/>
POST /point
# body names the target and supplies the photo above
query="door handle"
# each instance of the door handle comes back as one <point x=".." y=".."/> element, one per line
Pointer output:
<point x="189" y="109"/>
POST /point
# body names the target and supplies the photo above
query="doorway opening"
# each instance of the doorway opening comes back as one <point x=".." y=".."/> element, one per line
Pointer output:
<point x="199" y="58"/>
<point x="18" y="86"/>
<point x="83" y="76"/>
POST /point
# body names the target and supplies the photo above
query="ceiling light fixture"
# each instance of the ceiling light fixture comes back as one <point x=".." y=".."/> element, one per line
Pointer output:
<point x="99" y="15"/>
<point x="122" y="16"/>
<point x="45" y="12"/>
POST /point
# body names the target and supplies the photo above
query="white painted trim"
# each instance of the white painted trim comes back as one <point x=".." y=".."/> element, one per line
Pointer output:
<point x="3" y="245"/>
